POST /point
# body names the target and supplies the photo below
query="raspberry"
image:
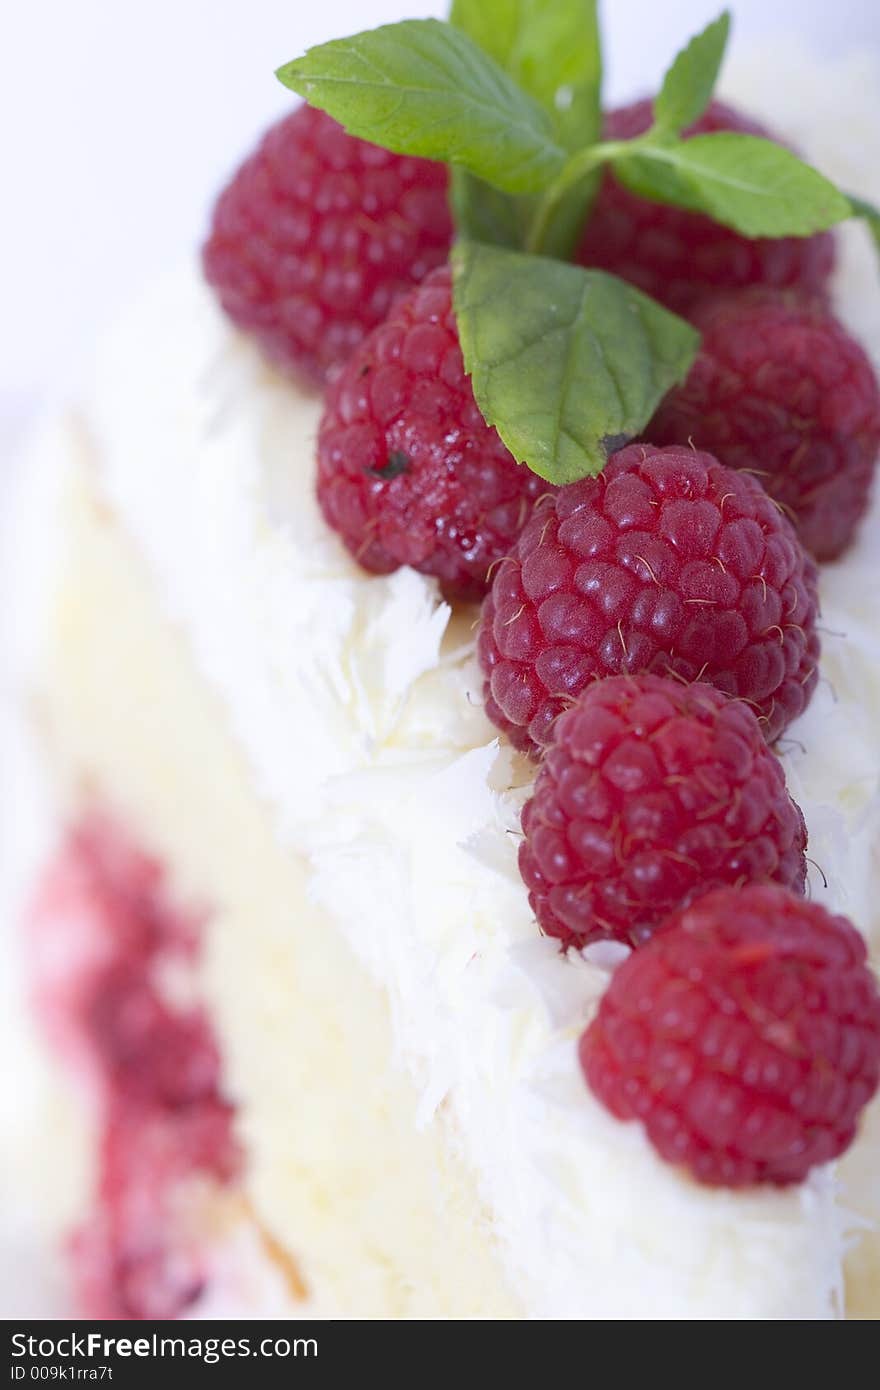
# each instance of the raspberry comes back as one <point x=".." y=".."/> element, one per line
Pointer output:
<point x="780" y="387"/>
<point x="409" y="473"/>
<point x="652" y="793"/>
<point x="665" y="562"/>
<point x="676" y="256"/>
<point x="317" y="234"/>
<point x="745" y="1036"/>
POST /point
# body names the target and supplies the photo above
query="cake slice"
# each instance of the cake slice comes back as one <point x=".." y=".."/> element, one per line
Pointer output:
<point x="339" y="1062"/>
<point x="304" y="750"/>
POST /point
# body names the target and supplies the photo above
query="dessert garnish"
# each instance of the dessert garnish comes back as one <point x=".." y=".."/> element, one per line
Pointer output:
<point x="779" y="387"/>
<point x="564" y="360"/>
<point x="678" y="256"/>
<point x="649" y="628"/>
<point x="652" y="793"/>
<point x="745" y="1036"/>
<point x="317" y="234"/>
<point x="666" y="562"/>
<point x="409" y="473"/>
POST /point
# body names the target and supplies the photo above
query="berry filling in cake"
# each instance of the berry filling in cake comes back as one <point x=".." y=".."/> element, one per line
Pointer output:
<point x="112" y="963"/>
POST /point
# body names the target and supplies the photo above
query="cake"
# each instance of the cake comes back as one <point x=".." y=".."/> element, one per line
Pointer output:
<point x="325" y="1062"/>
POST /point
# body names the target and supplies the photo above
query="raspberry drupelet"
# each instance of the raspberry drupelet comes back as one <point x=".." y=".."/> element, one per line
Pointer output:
<point x="677" y="256"/>
<point x="744" y="1036"/>
<point x="409" y="473"/>
<point x="666" y="562"/>
<point x="651" y="793"/>
<point x="781" y="388"/>
<point x="317" y="234"/>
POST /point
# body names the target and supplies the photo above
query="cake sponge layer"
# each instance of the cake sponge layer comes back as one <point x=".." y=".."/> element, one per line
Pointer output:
<point x="381" y="1215"/>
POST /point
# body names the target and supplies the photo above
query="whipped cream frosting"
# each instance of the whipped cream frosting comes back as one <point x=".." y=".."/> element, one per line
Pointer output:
<point x="358" y="702"/>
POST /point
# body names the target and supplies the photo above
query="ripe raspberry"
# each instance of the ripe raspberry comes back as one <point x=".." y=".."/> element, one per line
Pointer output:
<point x="779" y="387"/>
<point x="745" y="1036"/>
<point x="675" y="255"/>
<point x="409" y="473"/>
<point x="651" y="793"/>
<point x="317" y="234"/>
<point x="667" y="561"/>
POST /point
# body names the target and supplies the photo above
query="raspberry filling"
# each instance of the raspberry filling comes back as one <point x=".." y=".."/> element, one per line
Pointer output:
<point x="113" y="960"/>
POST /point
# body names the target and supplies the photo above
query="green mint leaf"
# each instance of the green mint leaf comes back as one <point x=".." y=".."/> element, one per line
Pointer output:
<point x="689" y="83"/>
<point x="422" y="87"/>
<point x="552" y="49"/>
<point x="871" y="214"/>
<point x="755" y="186"/>
<point x="566" y="363"/>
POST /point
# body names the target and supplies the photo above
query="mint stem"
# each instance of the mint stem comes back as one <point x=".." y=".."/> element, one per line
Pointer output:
<point x="578" y="167"/>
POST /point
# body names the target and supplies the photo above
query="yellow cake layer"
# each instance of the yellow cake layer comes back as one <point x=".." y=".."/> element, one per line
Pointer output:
<point x="380" y="1214"/>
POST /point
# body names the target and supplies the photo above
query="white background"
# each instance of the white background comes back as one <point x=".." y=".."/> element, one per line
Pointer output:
<point x="119" y="120"/>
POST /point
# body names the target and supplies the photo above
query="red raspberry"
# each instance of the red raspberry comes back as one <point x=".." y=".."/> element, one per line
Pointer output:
<point x="745" y="1036"/>
<point x="317" y="234"/>
<point x="409" y="473"/>
<point x="676" y="255"/>
<point x="667" y="561"/>
<point x="651" y="793"/>
<point x="779" y="387"/>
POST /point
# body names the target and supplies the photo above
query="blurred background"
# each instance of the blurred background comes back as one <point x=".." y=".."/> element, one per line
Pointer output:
<point x="118" y="124"/>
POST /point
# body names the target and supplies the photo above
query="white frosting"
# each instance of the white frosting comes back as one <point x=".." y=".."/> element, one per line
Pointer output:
<point x="358" y="705"/>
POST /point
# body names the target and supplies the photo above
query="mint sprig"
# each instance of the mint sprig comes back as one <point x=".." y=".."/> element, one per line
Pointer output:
<point x="551" y="50"/>
<point x="689" y="82"/>
<point x="422" y="87"/>
<point x="554" y="52"/>
<point x="758" y="188"/>
<point x="869" y="214"/>
<point x="565" y="362"/>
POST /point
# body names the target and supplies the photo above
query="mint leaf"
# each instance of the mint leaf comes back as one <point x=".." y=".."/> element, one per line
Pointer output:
<point x="492" y="24"/>
<point x="689" y="83"/>
<point x="552" y="49"/>
<point x="545" y="45"/>
<point x="422" y="87"/>
<point x="750" y="184"/>
<point x="564" y="361"/>
<point x="871" y="214"/>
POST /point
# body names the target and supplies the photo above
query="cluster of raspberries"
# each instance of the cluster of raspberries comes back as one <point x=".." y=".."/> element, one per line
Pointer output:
<point x="647" y="634"/>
